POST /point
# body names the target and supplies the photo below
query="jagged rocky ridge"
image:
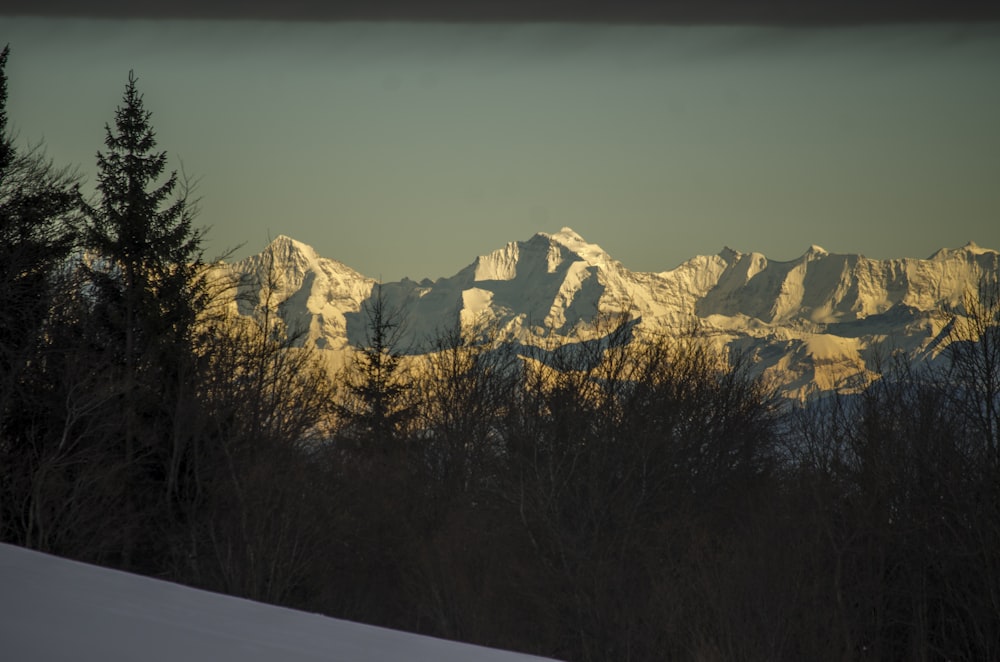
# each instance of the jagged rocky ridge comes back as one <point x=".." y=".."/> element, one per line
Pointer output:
<point x="813" y="324"/>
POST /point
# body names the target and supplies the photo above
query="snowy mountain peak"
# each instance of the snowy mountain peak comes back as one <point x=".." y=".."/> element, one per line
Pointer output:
<point x="591" y="253"/>
<point x="816" y="250"/>
<point x="567" y="236"/>
<point x="290" y="254"/>
<point x="283" y="239"/>
<point x="975" y="249"/>
<point x="314" y="292"/>
<point x="970" y="249"/>
<point x="285" y="245"/>
<point x="543" y="253"/>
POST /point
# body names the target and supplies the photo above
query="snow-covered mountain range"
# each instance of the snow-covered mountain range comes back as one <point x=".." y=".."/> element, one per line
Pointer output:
<point x="813" y="323"/>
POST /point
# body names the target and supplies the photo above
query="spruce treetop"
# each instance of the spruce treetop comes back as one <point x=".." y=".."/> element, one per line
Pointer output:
<point x="149" y="269"/>
<point x="131" y="222"/>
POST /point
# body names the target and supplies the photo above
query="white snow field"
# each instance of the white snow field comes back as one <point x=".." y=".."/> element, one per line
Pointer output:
<point x="53" y="609"/>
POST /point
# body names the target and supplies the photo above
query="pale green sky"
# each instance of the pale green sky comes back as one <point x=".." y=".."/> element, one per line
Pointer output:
<point x="408" y="149"/>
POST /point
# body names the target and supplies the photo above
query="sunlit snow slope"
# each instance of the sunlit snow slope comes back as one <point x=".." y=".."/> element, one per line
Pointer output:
<point x="52" y="609"/>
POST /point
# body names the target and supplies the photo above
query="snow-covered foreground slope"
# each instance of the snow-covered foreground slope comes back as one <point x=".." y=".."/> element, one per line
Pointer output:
<point x="811" y="324"/>
<point x="53" y="609"/>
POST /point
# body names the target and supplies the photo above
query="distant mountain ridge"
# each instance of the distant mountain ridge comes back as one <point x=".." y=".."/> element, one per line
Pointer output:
<point x="811" y="323"/>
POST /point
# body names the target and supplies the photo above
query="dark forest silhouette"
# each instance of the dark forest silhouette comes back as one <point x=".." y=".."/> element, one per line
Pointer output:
<point x="628" y="499"/>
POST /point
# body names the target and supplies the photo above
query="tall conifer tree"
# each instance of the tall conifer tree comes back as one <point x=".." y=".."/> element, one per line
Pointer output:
<point x="150" y="253"/>
<point x="149" y="289"/>
<point x="377" y="410"/>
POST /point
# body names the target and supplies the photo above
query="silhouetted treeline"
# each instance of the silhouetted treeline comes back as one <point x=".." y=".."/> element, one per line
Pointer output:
<point x="624" y="498"/>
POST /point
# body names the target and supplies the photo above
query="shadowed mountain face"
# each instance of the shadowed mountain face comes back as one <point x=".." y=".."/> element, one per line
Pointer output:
<point x="813" y="324"/>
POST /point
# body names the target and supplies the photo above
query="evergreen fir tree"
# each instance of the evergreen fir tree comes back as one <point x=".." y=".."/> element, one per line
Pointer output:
<point x="150" y="259"/>
<point x="148" y="284"/>
<point x="376" y="409"/>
